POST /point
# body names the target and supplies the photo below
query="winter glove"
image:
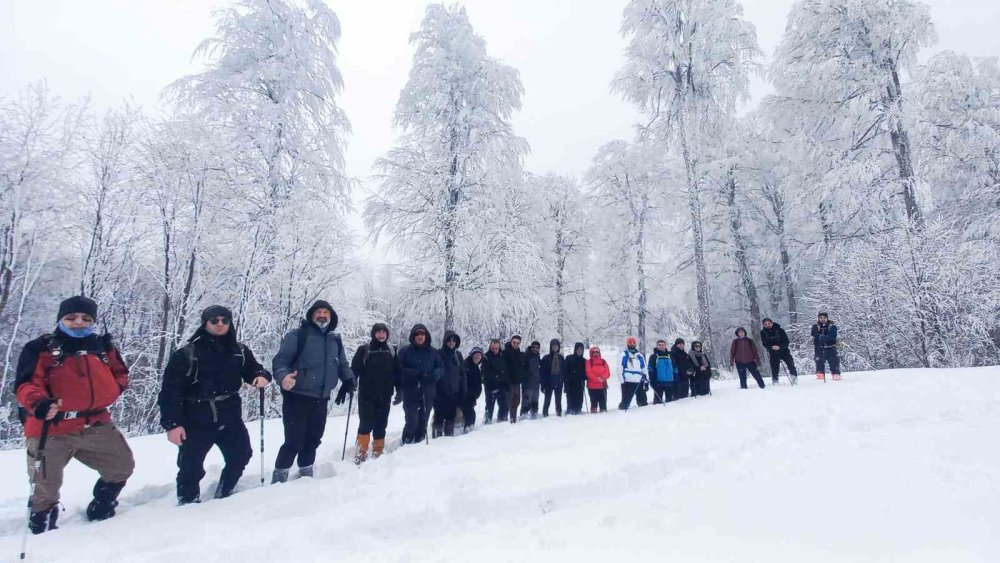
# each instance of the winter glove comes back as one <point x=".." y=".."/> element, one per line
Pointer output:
<point x="645" y="386"/>
<point x="42" y="408"/>
<point x="342" y="395"/>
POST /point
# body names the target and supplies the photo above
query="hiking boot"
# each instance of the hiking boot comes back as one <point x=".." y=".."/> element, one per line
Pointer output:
<point x="279" y="476"/>
<point x="378" y="447"/>
<point x="43" y="520"/>
<point x="821" y="377"/>
<point x="306" y="471"/>
<point x="836" y="377"/>
<point x="105" y="500"/>
<point x="361" y="448"/>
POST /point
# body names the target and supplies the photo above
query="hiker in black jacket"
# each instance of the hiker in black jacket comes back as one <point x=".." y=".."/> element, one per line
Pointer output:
<point x="775" y="341"/>
<point x="496" y="383"/>
<point x="420" y="370"/>
<point x="517" y="367"/>
<point x="452" y="388"/>
<point x="474" y="387"/>
<point x="376" y="369"/>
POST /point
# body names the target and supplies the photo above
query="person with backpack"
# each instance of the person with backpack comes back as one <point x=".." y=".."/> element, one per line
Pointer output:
<point x="683" y="368"/>
<point x="310" y="361"/>
<point x="200" y="404"/>
<point x="532" y="381"/>
<point x="65" y="382"/>
<point x="496" y="383"/>
<point x="575" y="380"/>
<point x="775" y="341"/>
<point x="661" y="373"/>
<point x="474" y="387"/>
<point x="634" y="382"/>
<point x="824" y="335"/>
<point x="701" y="380"/>
<point x="452" y="387"/>
<point x="376" y="369"/>
<point x="598" y="374"/>
<point x="743" y="353"/>
<point x="551" y="372"/>
<point x="421" y="368"/>
<point x="517" y="366"/>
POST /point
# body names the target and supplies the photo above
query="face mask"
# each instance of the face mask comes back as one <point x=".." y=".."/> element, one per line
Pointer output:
<point x="77" y="332"/>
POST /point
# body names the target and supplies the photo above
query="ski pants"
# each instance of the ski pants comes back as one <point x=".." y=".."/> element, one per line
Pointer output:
<point x="629" y="390"/>
<point x="373" y="417"/>
<point x="233" y="441"/>
<point x="417" y="402"/>
<point x="742" y="368"/>
<point x="515" y="400"/>
<point x="574" y="397"/>
<point x="778" y="356"/>
<point x="701" y="383"/>
<point x="304" y="419"/>
<point x="469" y="412"/>
<point x="498" y="398"/>
<point x="445" y="411"/>
<point x="549" y="394"/>
<point x="598" y="400"/>
<point x="100" y="447"/>
<point x="529" y="396"/>
<point x="829" y="356"/>
<point x="663" y="392"/>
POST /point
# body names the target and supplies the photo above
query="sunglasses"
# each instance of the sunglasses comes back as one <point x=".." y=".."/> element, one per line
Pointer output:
<point x="219" y="321"/>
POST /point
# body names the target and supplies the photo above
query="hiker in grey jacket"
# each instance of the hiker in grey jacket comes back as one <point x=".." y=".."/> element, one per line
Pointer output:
<point x="307" y="366"/>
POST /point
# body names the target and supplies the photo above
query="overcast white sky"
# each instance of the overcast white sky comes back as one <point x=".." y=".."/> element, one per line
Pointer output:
<point x="566" y="52"/>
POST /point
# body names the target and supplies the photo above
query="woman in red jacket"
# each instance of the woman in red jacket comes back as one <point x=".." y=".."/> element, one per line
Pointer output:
<point x="743" y="353"/>
<point x="598" y="374"/>
<point x="65" y="383"/>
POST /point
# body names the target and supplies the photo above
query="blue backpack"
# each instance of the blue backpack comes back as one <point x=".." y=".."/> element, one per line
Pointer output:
<point x="664" y="369"/>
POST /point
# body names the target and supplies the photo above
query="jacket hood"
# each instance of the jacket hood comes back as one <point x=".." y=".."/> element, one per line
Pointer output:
<point x="420" y="328"/>
<point x="323" y="305"/>
<point x="554" y="343"/>
<point x="579" y="347"/>
<point x="774" y="326"/>
<point x="595" y="352"/>
<point x="449" y="334"/>
<point x="380" y="326"/>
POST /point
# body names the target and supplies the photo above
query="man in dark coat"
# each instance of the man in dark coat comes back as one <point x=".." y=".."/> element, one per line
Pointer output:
<point x="552" y="372"/>
<point x="775" y="341"/>
<point x="308" y="365"/>
<point x="376" y="368"/>
<point x="420" y="369"/>
<point x="474" y="387"/>
<point x="200" y="404"/>
<point x="496" y="383"/>
<point x="576" y="378"/>
<point x="824" y="335"/>
<point x="683" y="368"/>
<point x="532" y="381"/>
<point x="452" y="388"/>
<point x="517" y="367"/>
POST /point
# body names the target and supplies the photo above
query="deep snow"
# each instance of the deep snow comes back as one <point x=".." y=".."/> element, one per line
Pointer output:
<point x="886" y="466"/>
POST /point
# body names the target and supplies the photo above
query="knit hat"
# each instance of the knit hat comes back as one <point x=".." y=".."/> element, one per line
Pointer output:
<point x="631" y="341"/>
<point x="476" y="350"/>
<point x="823" y="314"/>
<point x="78" y="304"/>
<point x="678" y="341"/>
<point x="215" y="311"/>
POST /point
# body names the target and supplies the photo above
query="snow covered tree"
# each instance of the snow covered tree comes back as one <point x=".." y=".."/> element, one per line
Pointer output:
<point x="449" y="199"/>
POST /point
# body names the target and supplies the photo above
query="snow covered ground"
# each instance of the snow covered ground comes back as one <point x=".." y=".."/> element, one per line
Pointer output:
<point x="887" y="466"/>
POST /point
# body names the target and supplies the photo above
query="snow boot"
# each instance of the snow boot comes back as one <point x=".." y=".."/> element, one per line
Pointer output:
<point x="223" y="490"/>
<point x="774" y="381"/>
<point x="105" y="500"/>
<point x="361" y="448"/>
<point x="821" y="377"/>
<point x="306" y="471"/>
<point x="378" y="447"/>
<point x="836" y="377"/>
<point x="181" y="501"/>
<point x="279" y="476"/>
<point x="43" y="520"/>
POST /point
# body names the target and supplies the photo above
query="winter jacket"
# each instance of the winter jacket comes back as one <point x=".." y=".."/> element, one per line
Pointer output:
<point x="702" y="365"/>
<point x="474" y="376"/>
<point x="517" y="365"/>
<point x="633" y="366"/>
<point x="553" y="367"/>
<point x="824" y="336"/>
<point x="533" y="371"/>
<point x="576" y="370"/>
<point x="598" y="372"/>
<point x="661" y="368"/>
<point x="88" y="374"/>
<point x="774" y="336"/>
<point x="320" y="363"/>
<point x="205" y="392"/>
<point x="453" y="382"/>
<point x="683" y="366"/>
<point x="494" y="371"/>
<point x="376" y="368"/>
<point x="743" y="351"/>
<point x="420" y="366"/>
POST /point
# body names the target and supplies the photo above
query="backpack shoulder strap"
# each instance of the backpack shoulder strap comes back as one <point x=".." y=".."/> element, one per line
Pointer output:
<point x="300" y="345"/>
<point x="192" y="360"/>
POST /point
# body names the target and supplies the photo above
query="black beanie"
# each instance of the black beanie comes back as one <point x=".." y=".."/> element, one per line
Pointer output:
<point x="215" y="311"/>
<point x="78" y="304"/>
<point x="316" y="307"/>
<point x="678" y="341"/>
<point x="823" y="314"/>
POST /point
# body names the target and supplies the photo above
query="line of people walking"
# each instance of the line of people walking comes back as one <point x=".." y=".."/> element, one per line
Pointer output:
<point x="68" y="379"/>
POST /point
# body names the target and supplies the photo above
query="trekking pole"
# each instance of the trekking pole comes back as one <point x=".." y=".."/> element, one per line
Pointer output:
<point x="262" y="436"/>
<point x="35" y="468"/>
<point x="427" y="413"/>
<point x="350" y="405"/>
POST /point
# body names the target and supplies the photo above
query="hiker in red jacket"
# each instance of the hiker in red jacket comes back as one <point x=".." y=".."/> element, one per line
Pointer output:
<point x="598" y="374"/>
<point x="743" y="353"/>
<point x="66" y="381"/>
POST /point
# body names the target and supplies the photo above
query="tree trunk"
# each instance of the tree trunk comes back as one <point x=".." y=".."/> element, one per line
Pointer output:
<point x="450" y="239"/>
<point x="742" y="259"/>
<point x="698" y="236"/>
<point x="560" y="281"/>
<point x="778" y="207"/>
<point x="640" y="271"/>
<point x="901" y="149"/>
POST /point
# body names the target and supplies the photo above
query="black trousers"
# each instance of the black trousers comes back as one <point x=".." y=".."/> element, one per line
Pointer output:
<point x="574" y="397"/>
<point x="598" y="400"/>
<point x="663" y="392"/>
<point x="742" y="369"/>
<point x="233" y="441"/>
<point x="373" y="417"/>
<point x="701" y="383"/>
<point x="304" y="419"/>
<point x="828" y="356"/>
<point x="529" y="400"/>
<point x="681" y="387"/>
<point x="499" y="398"/>
<point x="417" y="403"/>
<point x="630" y="390"/>
<point x="445" y="411"/>
<point x="469" y="412"/>
<point x="778" y="356"/>
<point x="551" y="392"/>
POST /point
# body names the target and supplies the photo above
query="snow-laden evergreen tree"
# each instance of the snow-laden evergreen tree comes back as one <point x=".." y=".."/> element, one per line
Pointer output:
<point x="688" y="62"/>
<point x="449" y="199"/>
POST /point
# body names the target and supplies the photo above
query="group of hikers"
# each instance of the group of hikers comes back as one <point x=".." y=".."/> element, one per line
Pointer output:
<point x="68" y="379"/>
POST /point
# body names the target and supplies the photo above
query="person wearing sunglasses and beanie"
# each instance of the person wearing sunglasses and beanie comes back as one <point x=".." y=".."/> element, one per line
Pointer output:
<point x="65" y="383"/>
<point x="200" y="404"/>
<point x="308" y="365"/>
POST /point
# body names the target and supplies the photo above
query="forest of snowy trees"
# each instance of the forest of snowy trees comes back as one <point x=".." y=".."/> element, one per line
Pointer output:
<point x="867" y="184"/>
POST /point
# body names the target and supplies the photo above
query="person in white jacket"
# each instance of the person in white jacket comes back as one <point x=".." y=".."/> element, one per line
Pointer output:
<point x="634" y="382"/>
